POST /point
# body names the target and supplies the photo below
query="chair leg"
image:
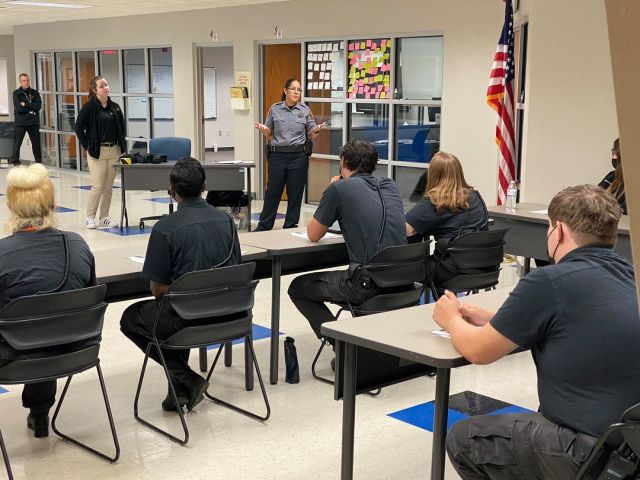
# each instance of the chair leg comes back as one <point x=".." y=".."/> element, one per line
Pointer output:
<point x="173" y="394"/>
<point x="315" y="360"/>
<point x="112" y="425"/>
<point x="5" y="456"/>
<point x="264" y="392"/>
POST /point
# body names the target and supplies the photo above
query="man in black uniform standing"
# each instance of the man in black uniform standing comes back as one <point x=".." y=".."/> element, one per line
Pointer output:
<point x="579" y="317"/>
<point x="371" y="217"/>
<point x="26" y="108"/>
<point x="195" y="237"/>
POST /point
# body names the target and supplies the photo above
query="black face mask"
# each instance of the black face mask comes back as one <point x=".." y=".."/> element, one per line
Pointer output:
<point x="551" y="259"/>
<point x="614" y="163"/>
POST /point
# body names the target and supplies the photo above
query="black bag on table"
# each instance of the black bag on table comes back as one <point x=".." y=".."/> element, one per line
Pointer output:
<point x="227" y="198"/>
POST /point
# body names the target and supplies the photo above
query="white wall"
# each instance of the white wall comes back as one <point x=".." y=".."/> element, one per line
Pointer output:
<point x="221" y="130"/>
<point x="8" y="78"/>
<point x="570" y="110"/>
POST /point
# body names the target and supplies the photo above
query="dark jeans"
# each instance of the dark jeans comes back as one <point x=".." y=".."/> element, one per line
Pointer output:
<point x="290" y="170"/>
<point x="310" y="292"/>
<point x="137" y="325"/>
<point x="38" y="397"/>
<point x="525" y="446"/>
<point x="34" y="135"/>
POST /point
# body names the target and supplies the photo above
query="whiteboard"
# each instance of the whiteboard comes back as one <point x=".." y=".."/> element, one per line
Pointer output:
<point x="135" y="79"/>
<point x="210" y="101"/>
<point x="161" y="79"/>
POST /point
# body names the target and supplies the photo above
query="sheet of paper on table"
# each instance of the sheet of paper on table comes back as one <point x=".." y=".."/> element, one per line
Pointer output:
<point x="540" y="212"/>
<point x="441" y="333"/>
<point x="328" y="235"/>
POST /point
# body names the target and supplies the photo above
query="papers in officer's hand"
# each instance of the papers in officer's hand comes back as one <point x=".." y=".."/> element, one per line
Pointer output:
<point x="540" y="212"/>
<point x="441" y="333"/>
<point x="137" y="258"/>
<point x="328" y="235"/>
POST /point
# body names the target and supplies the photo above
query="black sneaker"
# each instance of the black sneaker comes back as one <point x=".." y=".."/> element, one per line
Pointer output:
<point x="196" y="388"/>
<point x="168" y="405"/>
<point x="39" y="424"/>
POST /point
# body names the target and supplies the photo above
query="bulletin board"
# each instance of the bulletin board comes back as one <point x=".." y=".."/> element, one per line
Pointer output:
<point x="369" y="68"/>
<point x="325" y="69"/>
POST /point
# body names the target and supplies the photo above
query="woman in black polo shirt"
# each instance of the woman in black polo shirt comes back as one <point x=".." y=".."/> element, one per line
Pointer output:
<point x="449" y="208"/>
<point x="100" y="129"/>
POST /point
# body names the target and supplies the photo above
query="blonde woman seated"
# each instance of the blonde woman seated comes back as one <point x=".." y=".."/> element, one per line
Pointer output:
<point x="449" y="208"/>
<point x="33" y="260"/>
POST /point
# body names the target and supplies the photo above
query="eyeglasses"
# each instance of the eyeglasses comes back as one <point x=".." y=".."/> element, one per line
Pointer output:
<point x="296" y="90"/>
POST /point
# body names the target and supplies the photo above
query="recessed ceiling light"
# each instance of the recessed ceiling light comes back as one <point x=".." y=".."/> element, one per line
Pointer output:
<point x="46" y="4"/>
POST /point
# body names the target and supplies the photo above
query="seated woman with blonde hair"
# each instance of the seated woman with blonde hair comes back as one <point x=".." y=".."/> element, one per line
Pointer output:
<point x="36" y="258"/>
<point x="449" y="208"/>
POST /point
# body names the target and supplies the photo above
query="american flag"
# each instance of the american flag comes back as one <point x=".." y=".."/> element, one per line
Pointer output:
<point x="500" y="98"/>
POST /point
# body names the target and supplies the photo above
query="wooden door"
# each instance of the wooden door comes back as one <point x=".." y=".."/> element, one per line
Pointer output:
<point x="280" y="62"/>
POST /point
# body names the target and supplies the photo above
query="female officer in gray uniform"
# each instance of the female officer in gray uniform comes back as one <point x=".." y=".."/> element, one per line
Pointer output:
<point x="288" y="126"/>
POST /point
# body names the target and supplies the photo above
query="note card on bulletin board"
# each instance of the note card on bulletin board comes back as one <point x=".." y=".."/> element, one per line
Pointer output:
<point x="369" y="68"/>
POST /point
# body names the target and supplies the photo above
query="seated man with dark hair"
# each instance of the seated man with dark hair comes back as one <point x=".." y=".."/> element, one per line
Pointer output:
<point x="369" y="211"/>
<point x="195" y="237"/>
<point x="579" y="317"/>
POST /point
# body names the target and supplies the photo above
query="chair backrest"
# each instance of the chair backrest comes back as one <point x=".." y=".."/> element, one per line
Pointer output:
<point x="53" y="319"/>
<point x="213" y="293"/>
<point x="398" y="265"/>
<point x="174" y="148"/>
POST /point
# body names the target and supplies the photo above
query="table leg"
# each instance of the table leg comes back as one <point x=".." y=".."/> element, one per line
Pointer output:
<point x="276" y="271"/>
<point x="123" y="197"/>
<point x="202" y="354"/>
<point x="443" y="378"/>
<point x="228" y="354"/>
<point x="526" y="266"/>
<point x="249" y="198"/>
<point x="348" y="408"/>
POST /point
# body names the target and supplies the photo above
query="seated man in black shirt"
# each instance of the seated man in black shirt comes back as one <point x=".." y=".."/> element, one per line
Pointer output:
<point x="195" y="237"/>
<point x="369" y="211"/>
<point x="580" y="320"/>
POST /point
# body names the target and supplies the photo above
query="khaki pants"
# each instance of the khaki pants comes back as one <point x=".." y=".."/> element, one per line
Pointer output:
<point x="102" y="175"/>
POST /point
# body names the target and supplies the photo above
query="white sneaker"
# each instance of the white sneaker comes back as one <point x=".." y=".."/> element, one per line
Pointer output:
<point x="107" y="222"/>
<point x="90" y="223"/>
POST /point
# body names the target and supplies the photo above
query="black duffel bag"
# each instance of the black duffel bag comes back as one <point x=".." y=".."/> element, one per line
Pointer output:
<point x="227" y="198"/>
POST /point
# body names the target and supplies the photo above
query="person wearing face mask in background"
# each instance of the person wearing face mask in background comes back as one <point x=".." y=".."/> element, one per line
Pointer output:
<point x="100" y="129"/>
<point x="614" y="181"/>
<point x="579" y="317"/>
<point x="289" y="125"/>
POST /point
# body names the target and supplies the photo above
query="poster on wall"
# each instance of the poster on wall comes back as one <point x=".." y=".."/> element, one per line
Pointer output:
<point x="369" y="68"/>
<point x="324" y="69"/>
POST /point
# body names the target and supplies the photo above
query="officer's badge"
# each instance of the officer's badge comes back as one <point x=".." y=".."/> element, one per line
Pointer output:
<point x="300" y="115"/>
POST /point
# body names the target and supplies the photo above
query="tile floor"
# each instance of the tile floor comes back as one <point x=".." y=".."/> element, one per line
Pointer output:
<point x="300" y="440"/>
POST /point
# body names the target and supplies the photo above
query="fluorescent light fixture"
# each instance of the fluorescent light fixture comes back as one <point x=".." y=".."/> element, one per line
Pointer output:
<point x="45" y="4"/>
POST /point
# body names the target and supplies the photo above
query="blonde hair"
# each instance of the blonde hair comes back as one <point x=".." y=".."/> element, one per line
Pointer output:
<point x="30" y="198"/>
<point x="446" y="187"/>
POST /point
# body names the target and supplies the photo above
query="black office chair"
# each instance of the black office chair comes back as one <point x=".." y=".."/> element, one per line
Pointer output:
<point x="397" y="271"/>
<point x="617" y="453"/>
<point x="5" y="457"/>
<point x="225" y="296"/>
<point x="174" y="148"/>
<point x="476" y="258"/>
<point x="46" y="325"/>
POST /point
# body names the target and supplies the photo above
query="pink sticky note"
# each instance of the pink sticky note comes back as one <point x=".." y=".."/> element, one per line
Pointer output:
<point x="367" y="52"/>
<point x="379" y="87"/>
<point x="366" y="88"/>
<point x="377" y="94"/>
<point x="374" y="46"/>
<point x="383" y="43"/>
<point x="368" y="43"/>
<point x="375" y="70"/>
<point x="351" y="46"/>
<point x="361" y="90"/>
<point x="367" y="96"/>
<point x="387" y="89"/>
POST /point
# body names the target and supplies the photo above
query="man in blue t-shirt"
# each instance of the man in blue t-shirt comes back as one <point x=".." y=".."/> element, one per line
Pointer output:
<point x="579" y="317"/>
<point x="369" y="211"/>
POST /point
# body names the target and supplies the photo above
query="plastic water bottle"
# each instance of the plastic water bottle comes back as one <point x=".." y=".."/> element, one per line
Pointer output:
<point x="512" y="195"/>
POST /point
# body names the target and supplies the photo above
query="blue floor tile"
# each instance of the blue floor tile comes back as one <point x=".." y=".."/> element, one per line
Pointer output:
<point x="3" y="390"/>
<point x="64" y="210"/>
<point x="259" y="333"/>
<point x="126" y="232"/>
<point x="88" y="187"/>
<point x="159" y="200"/>
<point x="470" y="403"/>
<point x="256" y="216"/>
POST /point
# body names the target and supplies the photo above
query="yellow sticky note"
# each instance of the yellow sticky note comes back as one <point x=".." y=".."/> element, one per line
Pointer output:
<point x="350" y="90"/>
<point x="363" y="45"/>
<point x="383" y="95"/>
<point x="378" y="78"/>
<point x="386" y="80"/>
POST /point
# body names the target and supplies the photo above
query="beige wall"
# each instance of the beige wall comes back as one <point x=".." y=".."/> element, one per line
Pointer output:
<point x="571" y="119"/>
<point x="11" y="83"/>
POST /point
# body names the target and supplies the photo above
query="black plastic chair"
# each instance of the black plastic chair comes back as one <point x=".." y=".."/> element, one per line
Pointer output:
<point x="45" y="325"/>
<point x="617" y="450"/>
<point x="5" y="457"/>
<point x="477" y="257"/>
<point x="390" y="270"/>
<point x="217" y="294"/>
